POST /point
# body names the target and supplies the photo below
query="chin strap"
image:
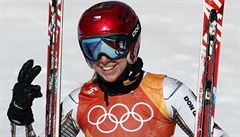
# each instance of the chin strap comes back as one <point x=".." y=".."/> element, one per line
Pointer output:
<point x="128" y="81"/>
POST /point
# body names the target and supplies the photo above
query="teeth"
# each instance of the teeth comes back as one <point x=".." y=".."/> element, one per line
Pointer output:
<point x="108" y="68"/>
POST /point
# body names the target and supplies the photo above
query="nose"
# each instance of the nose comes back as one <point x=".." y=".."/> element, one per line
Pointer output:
<point x="104" y="59"/>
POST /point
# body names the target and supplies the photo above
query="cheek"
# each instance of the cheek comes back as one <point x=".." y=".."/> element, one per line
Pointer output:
<point x="95" y="67"/>
<point x="122" y="66"/>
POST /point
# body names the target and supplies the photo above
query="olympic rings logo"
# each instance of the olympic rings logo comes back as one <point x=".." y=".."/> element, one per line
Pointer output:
<point x="122" y="119"/>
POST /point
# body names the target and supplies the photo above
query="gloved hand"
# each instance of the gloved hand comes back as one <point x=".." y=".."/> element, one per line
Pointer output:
<point x="19" y="111"/>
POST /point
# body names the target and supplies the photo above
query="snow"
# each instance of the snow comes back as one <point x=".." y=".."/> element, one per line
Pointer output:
<point x="171" y="32"/>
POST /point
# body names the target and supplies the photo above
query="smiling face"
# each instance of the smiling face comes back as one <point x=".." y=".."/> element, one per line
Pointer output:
<point x="108" y="69"/>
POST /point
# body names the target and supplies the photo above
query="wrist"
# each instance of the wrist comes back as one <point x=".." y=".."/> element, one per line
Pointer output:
<point x="20" y="116"/>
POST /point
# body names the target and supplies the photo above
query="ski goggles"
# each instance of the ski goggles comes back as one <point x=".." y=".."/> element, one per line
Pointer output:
<point x="112" y="46"/>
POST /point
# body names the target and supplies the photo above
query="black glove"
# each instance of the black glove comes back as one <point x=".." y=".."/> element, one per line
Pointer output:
<point x="19" y="111"/>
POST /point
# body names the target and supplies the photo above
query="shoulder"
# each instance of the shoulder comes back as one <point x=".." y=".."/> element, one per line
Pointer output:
<point x="153" y="80"/>
<point x="154" y="76"/>
<point x="180" y="102"/>
<point x="85" y="88"/>
<point x="89" y="89"/>
<point x="71" y="102"/>
<point x="73" y="96"/>
<point x="170" y="86"/>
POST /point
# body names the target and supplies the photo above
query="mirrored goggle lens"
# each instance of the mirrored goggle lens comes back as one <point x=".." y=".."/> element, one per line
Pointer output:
<point x="113" y="47"/>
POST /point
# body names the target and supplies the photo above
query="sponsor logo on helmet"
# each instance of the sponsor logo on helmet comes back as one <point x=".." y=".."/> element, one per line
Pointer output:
<point x="136" y="30"/>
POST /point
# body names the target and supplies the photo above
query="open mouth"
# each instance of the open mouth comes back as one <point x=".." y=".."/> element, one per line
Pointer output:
<point x="108" y="68"/>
